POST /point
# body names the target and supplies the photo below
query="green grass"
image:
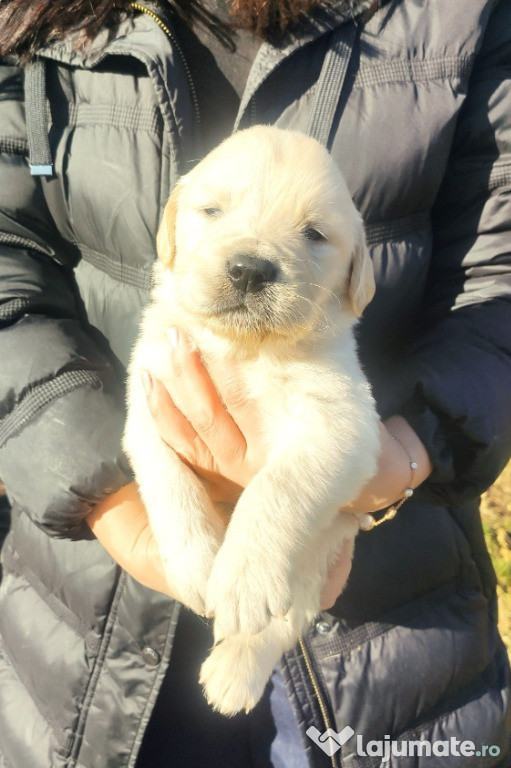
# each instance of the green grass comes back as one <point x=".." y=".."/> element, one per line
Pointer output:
<point x="496" y="513"/>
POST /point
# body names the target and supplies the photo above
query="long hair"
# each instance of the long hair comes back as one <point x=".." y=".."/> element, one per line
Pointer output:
<point x="26" y="26"/>
<point x="265" y="17"/>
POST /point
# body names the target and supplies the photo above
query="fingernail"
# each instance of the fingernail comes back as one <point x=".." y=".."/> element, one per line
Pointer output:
<point x="173" y="337"/>
<point x="147" y="382"/>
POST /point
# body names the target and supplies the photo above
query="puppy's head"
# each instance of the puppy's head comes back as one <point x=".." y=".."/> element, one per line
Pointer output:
<point x="262" y="239"/>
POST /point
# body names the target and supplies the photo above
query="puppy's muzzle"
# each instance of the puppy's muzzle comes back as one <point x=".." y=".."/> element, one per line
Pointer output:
<point x="250" y="274"/>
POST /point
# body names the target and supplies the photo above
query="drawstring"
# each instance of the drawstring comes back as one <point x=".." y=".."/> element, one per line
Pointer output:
<point x="331" y="83"/>
<point x="40" y="160"/>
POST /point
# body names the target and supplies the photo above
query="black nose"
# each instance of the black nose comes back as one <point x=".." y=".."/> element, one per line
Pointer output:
<point x="250" y="274"/>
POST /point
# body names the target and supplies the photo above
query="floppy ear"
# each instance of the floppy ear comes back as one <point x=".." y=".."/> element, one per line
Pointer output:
<point x="166" y="237"/>
<point x="361" y="284"/>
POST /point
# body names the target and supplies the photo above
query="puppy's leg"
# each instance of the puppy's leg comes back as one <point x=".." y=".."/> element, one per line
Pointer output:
<point x="278" y="515"/>
<point x="313" y="566"/>
<point x="177" y="504"/>
<point x="238" y="668"/>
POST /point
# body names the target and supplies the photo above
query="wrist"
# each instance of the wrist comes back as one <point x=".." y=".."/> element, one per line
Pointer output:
<point x="120" y="524"/>
<point x="412" y="450"/>
<point x="399" y="447"/>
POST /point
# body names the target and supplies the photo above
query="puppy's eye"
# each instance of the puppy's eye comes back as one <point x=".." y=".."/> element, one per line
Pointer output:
<point x="311" y="233"/>
<point x="212" y="211"/>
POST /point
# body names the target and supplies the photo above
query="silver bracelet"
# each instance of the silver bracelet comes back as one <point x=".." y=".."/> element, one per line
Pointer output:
<point x="368" y="521"/>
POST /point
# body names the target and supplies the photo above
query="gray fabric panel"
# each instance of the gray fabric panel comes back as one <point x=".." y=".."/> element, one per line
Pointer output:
<point x="119" y="323"/>
<point x="39" y="397"/>
<point x="26" y="739"/>
<point x="73" y="477"/>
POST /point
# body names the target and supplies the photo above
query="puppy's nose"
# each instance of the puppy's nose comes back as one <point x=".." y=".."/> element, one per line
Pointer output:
<point x="250" y="274"/>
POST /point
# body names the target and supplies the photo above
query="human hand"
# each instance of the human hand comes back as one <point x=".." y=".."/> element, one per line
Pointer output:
<point x="120" y="523"/>
<point x="399" y="444"/>
<point x="220" y="441"/>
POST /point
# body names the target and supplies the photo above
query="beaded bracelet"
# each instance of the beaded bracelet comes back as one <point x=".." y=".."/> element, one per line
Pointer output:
<point x="368" y="521"/>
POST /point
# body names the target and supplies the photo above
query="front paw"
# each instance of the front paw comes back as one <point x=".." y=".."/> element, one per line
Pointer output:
<point x="234" y="676"/>
<point x="245" y="591"/>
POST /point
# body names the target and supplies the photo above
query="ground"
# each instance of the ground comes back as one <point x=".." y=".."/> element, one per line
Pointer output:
<point x="496" y="512"/>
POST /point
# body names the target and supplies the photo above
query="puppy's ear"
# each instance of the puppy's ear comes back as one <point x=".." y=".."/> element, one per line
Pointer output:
<point x="361" y="284"/>
<point x="166" y="237"/>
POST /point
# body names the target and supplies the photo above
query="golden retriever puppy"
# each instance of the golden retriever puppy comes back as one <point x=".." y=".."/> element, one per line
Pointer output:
<point x="262" y="258"/>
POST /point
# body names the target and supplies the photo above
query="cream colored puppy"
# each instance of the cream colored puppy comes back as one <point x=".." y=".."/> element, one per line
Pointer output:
<point x="262" y="258"/>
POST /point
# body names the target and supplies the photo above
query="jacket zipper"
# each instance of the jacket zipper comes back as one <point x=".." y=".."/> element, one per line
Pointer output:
<point x="317" y="690"/>
<point x="177" y="46"/>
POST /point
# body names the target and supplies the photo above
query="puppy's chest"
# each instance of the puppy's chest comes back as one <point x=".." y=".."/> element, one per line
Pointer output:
<point x="276" y="398"/>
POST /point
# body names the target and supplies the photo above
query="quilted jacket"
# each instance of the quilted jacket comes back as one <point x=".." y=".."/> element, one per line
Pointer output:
<point x="414" y="101"/>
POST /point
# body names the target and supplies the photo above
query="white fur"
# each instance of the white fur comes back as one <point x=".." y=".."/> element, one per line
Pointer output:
<point x="291" y="353"/>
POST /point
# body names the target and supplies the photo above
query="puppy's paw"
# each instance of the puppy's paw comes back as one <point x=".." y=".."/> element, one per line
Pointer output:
<point x="232" y="677"/>
<point x="245" y="593"/>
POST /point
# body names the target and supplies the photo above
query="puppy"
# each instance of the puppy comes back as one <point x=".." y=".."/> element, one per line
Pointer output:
<point x="262" y="258"/>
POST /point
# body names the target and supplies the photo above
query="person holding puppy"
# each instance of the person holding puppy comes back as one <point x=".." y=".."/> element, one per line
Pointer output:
<point x="104" y="106"/>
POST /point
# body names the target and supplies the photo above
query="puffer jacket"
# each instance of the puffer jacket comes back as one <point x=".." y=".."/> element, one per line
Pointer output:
<point x="414" y="101"/>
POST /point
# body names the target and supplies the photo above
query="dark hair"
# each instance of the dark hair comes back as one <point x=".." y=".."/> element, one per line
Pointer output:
<point x="26" y="26"/>
<point x="270" y="16"/>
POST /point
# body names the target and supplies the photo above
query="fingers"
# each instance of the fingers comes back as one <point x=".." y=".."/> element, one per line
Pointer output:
<point x="197" y="425"/>
<point x="174" y="429"/>
<point x="194" y="394"/>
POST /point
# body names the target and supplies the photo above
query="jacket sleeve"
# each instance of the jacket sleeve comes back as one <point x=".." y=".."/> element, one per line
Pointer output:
<point x="458" y="372"/>
<point x="61" y="399"/>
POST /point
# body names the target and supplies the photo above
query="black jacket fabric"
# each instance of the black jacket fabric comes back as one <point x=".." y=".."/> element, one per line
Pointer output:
<point x="421" y="128"/>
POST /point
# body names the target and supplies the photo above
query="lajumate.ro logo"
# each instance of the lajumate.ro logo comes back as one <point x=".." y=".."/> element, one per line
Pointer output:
<point x="331" y="741"/>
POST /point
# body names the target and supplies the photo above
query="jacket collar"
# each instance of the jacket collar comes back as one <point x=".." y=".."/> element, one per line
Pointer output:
<point x="132" y="35"/>
<point x="324" y="20"/>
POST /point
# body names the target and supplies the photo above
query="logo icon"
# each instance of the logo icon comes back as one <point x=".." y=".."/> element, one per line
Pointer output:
<point x="330" y="741"/>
